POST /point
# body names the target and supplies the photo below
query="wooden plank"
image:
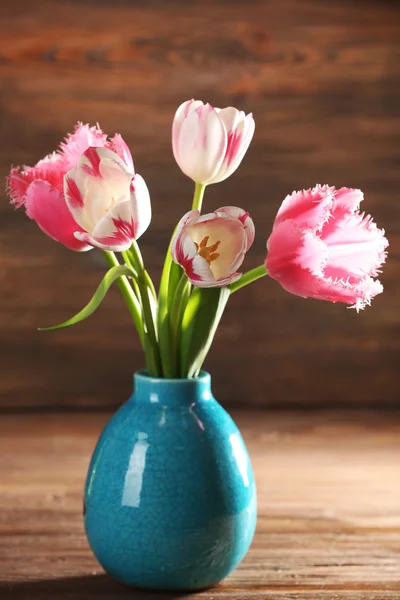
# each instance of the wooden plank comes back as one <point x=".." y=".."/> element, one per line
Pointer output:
<point x="329" y="509"/>
<point x="322" y="81"/>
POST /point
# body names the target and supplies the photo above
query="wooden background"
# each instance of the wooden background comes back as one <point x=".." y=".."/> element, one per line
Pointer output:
<point x="322" y="79"/>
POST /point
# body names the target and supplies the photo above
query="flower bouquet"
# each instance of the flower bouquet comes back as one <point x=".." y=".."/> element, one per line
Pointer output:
<point x="170" y="500"/>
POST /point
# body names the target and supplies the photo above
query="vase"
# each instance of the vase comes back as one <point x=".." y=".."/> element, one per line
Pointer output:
<point x="170" y="499"/>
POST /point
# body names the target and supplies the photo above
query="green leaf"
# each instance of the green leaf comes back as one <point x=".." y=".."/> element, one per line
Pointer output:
<point x="112" y="275"/>
<point x="175" y="276"/>
<point x="203" y="313"/>
<point x="164" y="332"/>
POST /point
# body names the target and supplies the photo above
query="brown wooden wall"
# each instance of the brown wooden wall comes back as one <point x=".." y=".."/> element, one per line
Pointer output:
<point x="323" y="81"/>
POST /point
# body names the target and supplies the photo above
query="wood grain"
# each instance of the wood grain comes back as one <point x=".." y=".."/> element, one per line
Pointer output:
<point x="322" y="79"/>
<point x="329" y="509"/>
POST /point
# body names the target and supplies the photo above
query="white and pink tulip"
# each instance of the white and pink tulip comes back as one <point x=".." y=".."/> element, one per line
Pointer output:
<point x="110" y="204"/>
<point x="210" y="143"/>
<point x="211" y="248"/>
<point x="41" y="188"/>
<point x="322" y="247"/>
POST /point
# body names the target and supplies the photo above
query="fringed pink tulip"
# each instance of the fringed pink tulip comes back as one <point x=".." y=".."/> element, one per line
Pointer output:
<point x="211" y="248"/>
<point x="210" y="143"/>
<point x="322" y="247"/>
<point x="41" y="188"/>
<point x="109" y="203"/>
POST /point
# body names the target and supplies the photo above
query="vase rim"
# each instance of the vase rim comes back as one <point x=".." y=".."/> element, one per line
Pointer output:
<point x="141" y="375"/>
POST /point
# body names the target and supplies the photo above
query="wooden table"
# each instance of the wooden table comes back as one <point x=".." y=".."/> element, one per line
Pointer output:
<point x="329" y="509"/>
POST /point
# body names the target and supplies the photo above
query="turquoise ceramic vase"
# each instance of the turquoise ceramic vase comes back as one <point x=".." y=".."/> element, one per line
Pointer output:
<point x="170" y="499"/>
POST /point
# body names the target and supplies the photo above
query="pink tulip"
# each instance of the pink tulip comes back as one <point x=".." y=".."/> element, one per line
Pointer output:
<point x="209" y="143"/>
<point x="322" y="247"/>
<point x="41" y="188"/>
<point x="210" y="248"/>
<point x="109" y="203"/>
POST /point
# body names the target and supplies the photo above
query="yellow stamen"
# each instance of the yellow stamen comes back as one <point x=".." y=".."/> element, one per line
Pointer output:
<point x="208" y="252"/>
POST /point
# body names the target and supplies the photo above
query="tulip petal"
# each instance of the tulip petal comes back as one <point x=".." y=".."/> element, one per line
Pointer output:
<point x="183" y="111"/>
<point x="100" y="179"/>
<point x="358" y="294"/>
<point x="48" y="169"/>
<point x="291" y="247"/>
<point x="118" y="145"/>
<point x="115" y="231"/>
<point x="185" y="254"/>
<point x="348" y="200"/>
<point x="47" y="207"/>
<point x="201" y="144"/>
<point x="74" y="192"/>
<point x="124" y="221"/>
<point x="244" y="217"/>
<point x="356" y="246"/>
<point x="230" y="234"/>
<point x="76" y="143"/>
<point x="17" y="184"/>
<point x="310" y="208"/>
<point x="217" y="283"/>
<point x="240" y="130"/>
<point x="140" y="205"/>
<point x="190" y="216"/>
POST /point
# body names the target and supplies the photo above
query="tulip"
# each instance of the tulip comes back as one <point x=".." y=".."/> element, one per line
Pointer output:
<point x="322" y="247"/>
<point x="41" y="188"/>
<point x="109" y="203"/>
<point x="210" y="248"/>
<point x="210" y="143"/>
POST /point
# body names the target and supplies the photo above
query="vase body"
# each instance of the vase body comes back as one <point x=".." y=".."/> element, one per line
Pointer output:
<point x="170" y="499"/>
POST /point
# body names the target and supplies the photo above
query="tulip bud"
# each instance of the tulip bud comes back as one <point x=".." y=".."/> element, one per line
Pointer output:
<point x="209" y="143"/>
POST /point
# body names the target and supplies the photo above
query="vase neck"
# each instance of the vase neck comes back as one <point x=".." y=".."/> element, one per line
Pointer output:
<point x="170" y="392"/>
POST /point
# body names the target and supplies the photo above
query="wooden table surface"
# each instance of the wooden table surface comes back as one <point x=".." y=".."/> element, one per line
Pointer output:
<point x="329" y="509"/>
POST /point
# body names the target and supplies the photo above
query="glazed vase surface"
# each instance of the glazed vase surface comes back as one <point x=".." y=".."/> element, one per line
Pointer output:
<point x="170" y="499"/>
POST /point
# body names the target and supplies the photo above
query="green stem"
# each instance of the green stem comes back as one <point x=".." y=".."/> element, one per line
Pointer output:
<point x="134" y="258"/>
<point x="128" y="295"/>
<point x="198" y="196"/>
<point x="181" y="296"/>
<point x="138" y="260"/>
<point x="168" y="359"/>
<point x="164" y="334"/>
<point x="249" y="277"/>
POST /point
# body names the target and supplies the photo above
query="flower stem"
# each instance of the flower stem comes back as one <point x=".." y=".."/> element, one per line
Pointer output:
<point x="164" y="334"/>
<point x="128" y="295"/>
<point x="249" y="277"/>
<point x="168" y="359"/>
<point x="149" y="310"/>
<point x="139" y="261"/>
<point x="198" y="196"/>
<point x="181" y="296"/>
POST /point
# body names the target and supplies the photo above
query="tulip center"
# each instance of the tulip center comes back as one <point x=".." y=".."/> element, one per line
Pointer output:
<point x="208" y="252"/>
<point x="113" y="201"/>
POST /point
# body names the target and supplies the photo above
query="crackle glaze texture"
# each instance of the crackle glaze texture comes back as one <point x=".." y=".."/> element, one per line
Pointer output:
<point x="170" y="499"/>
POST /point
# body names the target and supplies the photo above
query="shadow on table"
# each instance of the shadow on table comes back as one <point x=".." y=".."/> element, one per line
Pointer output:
<point x="88" y="587"/>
